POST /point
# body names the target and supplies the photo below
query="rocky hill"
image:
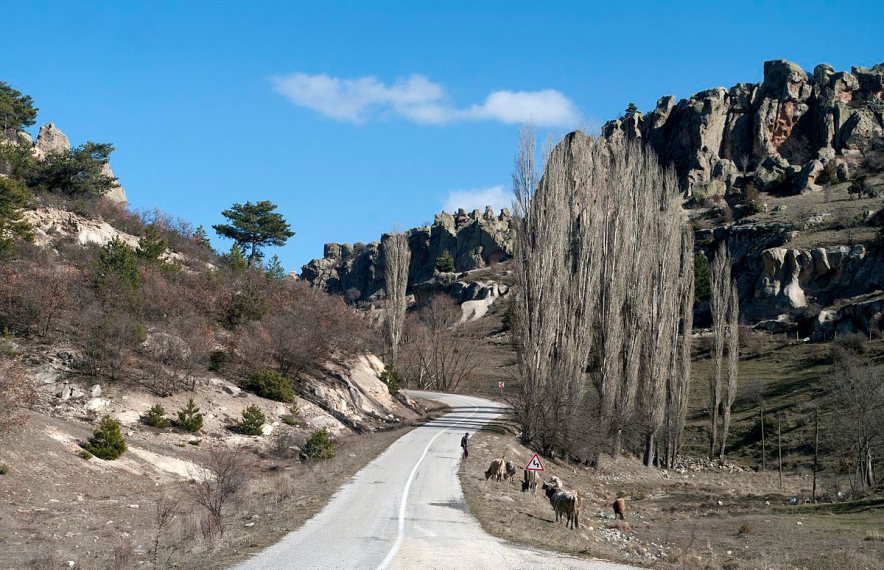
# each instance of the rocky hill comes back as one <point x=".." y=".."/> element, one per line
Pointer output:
<point x="788" y="171"/>
<point x="777" y="133"/>
<point x="473" y="239"/>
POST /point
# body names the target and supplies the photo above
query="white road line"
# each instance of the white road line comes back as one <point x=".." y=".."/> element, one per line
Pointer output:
<point x="401" y="532"/>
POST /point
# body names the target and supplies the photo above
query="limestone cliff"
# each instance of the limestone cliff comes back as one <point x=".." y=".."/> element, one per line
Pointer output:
<point x="474" y="240"/>
<point x="780" y="131"/>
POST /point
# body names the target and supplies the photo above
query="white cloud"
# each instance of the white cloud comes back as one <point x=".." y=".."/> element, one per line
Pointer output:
<point x="418" y="99"/>
<point x="476" y="199"/>
<point x="544" y="108"/>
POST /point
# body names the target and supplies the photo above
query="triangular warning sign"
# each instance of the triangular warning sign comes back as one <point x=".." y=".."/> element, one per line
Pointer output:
<point x="534" y="464"/>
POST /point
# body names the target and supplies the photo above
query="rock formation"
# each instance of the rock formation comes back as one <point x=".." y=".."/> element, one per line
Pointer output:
<point x="778" y="133"/>
<point x="51" y="140"/>
<point x="474" y="240"/>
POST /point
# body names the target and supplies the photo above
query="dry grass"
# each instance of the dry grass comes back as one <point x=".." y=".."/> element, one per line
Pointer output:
<point x="705" y="519"/>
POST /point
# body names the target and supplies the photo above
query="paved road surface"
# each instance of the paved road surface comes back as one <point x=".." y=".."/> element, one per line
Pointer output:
<point x="406" y="509"/>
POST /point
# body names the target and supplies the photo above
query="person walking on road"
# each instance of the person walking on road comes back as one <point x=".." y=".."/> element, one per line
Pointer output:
<point x="463" y="444"/>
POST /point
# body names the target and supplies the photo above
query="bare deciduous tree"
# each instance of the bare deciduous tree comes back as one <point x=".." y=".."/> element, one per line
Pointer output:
<point x="599" y="275"/>
<point x="857" y="393"/>
<point x="719" y="301"/>
<point x="16" y="392"/>
<point x="220" y="489"/>
<point x="725" y="305"/>
<point x="439" y="354"/>
<point x="733" y="358"/>
<point x="397" y="257"/>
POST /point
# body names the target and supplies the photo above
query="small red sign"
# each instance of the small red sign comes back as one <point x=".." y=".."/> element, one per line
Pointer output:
<point x="500" y="384"/>
<point x="534" y="464"/>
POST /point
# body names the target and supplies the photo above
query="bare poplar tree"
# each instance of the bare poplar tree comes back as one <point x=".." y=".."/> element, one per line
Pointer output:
<point x="397" y="256"/>
<point x="680" y="376"/>
<point x="539" y="243"/>
<point x="733" y="358"/>
<point x="599" y="271"/>
<point x="719" y="301"/>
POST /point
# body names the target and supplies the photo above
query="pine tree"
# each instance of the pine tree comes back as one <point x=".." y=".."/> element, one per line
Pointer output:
<point x="118" y="259"/>
<point x="254" y="226"/>
<point x="236" y="259"/>
<point x="152" y="245"/>
<point x="156" y="417"/>
<point x="201" y="237"/>
<point x="252" y="420"/>
<point x="107" y="441"/>
<point x="16" y="110"/>
<point x="190" y="418"/>
<point x="13" y="198"/>
<point x="274" y="272"/>
<point x="445" y="263"/>
<point x="319" y="446"/>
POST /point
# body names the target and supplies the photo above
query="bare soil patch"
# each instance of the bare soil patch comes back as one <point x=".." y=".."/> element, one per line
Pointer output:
<point x="57" y="507"/>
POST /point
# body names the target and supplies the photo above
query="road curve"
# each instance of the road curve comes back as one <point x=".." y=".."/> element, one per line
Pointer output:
<point x="406" y="509"/>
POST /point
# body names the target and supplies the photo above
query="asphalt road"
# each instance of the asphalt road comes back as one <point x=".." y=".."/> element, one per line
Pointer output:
<point x="406" y="509"/>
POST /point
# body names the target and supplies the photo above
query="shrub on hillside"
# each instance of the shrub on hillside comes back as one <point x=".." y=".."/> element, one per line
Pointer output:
<point x="318" y="446"/>
<point x="107" y="441"/>
<point x="190" y="418"/>
<point x="271" y="385"/>
<point x="445" y="263"/>
<point x="252" y="421"/>
<point x="16" y="392"/>
<point x="156" y="417"/>
<point x="14" y="197"/>
<point x="390" y="377"/>
<point x="117" y="260"/>
<point x="151" y="246"/>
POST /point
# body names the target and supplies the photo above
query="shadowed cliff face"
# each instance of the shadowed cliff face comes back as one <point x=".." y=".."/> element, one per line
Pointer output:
<point x="783" y="129"/>
<point x="357" y="270"/>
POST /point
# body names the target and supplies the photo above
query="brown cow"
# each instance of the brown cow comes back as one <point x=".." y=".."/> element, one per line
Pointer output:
<point x="620" y="508"/>
<point x="495" y="470"/>
<point x="529" y="481"/>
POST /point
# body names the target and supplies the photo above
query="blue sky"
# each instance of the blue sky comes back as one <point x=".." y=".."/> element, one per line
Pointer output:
<point x="356" y="117"/>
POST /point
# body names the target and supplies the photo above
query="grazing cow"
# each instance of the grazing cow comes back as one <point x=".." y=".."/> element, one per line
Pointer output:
<point x="620" y="508"/>
<point x="495" y="470"/>
<point x="566" y="504"/>
<point x="529" y="481"/>
<point x="510" y="471"/>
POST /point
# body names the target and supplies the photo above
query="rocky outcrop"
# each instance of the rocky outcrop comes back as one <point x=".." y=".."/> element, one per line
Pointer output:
<point x="778" y="133"/>
<point x="475" y="296"/>
<point x="51" y="140"/>
<point x="474" y="240"/>
<point x="793" y="279"/>
<point x="52" y="224"/>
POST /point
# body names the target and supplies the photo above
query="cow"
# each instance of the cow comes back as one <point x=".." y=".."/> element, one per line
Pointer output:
<point x="529" y="481"/>
<point x="510" y="471"/>
<point x="566" y="504"/>
<point x="620" y="508"/>
<point x="495" y="470"/>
